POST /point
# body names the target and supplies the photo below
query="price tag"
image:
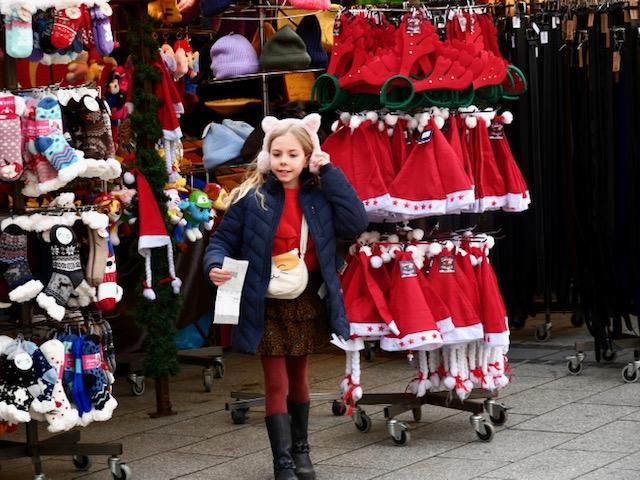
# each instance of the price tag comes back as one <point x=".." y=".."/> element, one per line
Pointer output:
<point x="462" y="20"/>
<point x="535" y="26"/>
<point x="414" y="25"/>
<point x="544" y="37"/>
<point x="555" y="21"/>
<point x="407" y="269"/>
<point x="515" y="21"/>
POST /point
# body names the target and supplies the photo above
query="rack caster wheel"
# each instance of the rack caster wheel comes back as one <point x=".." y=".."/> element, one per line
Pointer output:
<point x="497" y="412"/>
<point x="577" y="320"/>
<point x="218" y="368"/>
<point x="207" y="379"/>
<point x="338" y="408"/>
<point x="240" y="416"/>
<point x="361" y="420"/>
<point x="399" y="432"/>
<point x="543" y="332"/>
<point x="138" y="386"/>
<point x="484" y="430"/>
<point x="119" y="470"/>
<point x="630" y="373"/>
<point x="575" y="368"/>
<point x="81" y="462"/>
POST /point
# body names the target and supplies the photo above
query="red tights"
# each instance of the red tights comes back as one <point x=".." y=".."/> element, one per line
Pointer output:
<point x="285" y="377"/>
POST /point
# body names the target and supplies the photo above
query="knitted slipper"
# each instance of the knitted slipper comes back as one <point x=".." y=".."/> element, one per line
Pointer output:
<point x="101" y="25"/>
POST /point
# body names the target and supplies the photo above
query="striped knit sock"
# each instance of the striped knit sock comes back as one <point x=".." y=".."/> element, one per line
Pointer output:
<point x="51" y="142"/>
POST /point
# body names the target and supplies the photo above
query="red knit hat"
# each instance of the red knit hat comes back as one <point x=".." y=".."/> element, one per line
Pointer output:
<point x="491" y="191"/>
<point x="417" y="190"/>
<point x="152" y="234"/>
<point x="518" y="198"/>
<point x="418" y="329"/>
<point x="455" y="181"/>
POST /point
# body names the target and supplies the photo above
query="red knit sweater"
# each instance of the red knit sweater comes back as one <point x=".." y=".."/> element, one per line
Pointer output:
<point x="288" y="233"/>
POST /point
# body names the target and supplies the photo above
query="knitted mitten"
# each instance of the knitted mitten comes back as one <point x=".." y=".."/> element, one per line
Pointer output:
<point x="85" y="32"/>
<point x="14" y="265"/>
<point x="73" y="129"/>
<point x="95" y="380"/>
<point x="16" y="371"/>
<point x="51" y="142"/>
<point x="98" y="254"/>
<point x="64" y="416"/>
<point x="101" y="25"/>
<point x="43" y="26"/>
<point x="10" y="138"/>
<point x="80" y="394"/>
<point x="67" y="272"/>
<point x="46" y="377"/>
<point x="65" y="27"/>
<point x="106" y="116"/>
<point x="19" y="31"/>
<point x="96" y="136"/>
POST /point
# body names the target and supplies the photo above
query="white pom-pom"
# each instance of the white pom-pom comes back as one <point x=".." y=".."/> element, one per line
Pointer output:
<point x="435" y="111"/>
<point x="393" y="250"/>
<point x="345" y="117"/>
<point x="376" y="261"/>
<point x="386" y="258"/>
<point x="393" y="238"/>
<point x="381" y="126"/>
<point x="374" y="236"/>
<point x="373" y="116"/>
<point x="417" y="234"/>
<point x="129" y="178"/>
<point x="444" y="113"/>
<point x="366" y="250"/>
<point x="412" y="124"/>
<point x="149" y="294"/>
<point x="507" y="117"/>
<point x="391" y="119"/>
<point x="474" y="260"/>
<point x="448" y="245"/>
<point x="412" y="248"/>
<point x="490" y="242"/>
<point x="176" y="284"/>
<point x="390" y="132"/>
<point x="355" y="122"/>
<point x="435" y="249"/>
<point x="439" y="122"/>
<point x="334" y="126"/>
<point x="471" y="122"/>
<point x="449" y="383"/>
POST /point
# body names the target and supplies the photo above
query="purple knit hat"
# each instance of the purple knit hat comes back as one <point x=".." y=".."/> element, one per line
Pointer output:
<point x="232" y="56"/>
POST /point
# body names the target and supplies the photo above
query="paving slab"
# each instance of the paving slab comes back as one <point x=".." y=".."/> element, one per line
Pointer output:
<point x="626" y="394"/>
<point x="510" y="446"/>
<point x="541" y="400"/>
<point x="610" y="473"/>
<point x="547" y="370"/>
<point x="444" y="469"/>
<point x="618" y="436"/>
<point x="575" y="418"/>
<point x="232" y="444"/>
<point x="378" y="456"/>
<point x="555" y="464"/>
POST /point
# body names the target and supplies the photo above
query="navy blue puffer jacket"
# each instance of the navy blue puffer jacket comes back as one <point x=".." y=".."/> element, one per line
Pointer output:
<point x="332" y="209"/>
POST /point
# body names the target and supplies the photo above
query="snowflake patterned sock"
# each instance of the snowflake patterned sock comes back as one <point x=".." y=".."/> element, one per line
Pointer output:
<point x="65" y="27"/>
<point x="64" y="416"/>
<point x="67" y="272"/>
<point x="51" y="142"/>
<point x="16" y="370"/>
<point x="10" y="138"/>
<point x="46" y="377"/>
<point x="96" y="134"/>
<point x="95" y="380"/>
<point x="14" y="266"/>
<point x="19" y="32"/>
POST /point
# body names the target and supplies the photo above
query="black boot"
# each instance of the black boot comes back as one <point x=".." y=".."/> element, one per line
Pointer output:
<point x="279" y="429"/>
<point x="299" y="425"/>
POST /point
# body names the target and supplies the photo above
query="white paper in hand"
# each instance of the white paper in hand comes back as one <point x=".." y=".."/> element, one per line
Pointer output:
<point x="227" y="306"/>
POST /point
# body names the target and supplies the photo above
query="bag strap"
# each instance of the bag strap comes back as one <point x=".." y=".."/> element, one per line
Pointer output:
<point x="304" y="236"/>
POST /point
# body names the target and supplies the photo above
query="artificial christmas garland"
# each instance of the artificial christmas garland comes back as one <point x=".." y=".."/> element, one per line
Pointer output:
<point x="158" y="316"/>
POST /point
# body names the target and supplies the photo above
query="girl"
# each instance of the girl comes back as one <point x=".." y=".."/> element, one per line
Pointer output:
<point x="265" y="219"/>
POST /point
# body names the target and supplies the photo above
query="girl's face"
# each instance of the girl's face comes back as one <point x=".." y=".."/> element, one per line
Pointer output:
<point x="287" y="160"/>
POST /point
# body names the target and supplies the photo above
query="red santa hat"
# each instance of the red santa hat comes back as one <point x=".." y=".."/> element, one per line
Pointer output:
<point x="518" y="198"/>
<point x="491" y="191"/>
<point x="353" y="154"/>
<point x="171" y="106"/>
<point x="418" y="329"/>
<point x="400" y="141"/>
<point x="152" y="234"/>
<point x="455" y="181"/>
<point x="417" y="190"/>
<point x="458" y="143"/>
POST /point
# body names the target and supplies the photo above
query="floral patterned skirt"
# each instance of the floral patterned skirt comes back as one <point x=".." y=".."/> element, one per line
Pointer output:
<point x="295" y="327"/>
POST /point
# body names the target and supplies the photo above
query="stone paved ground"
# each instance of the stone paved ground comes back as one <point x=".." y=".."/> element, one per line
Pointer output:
<point x="560" y="426"/>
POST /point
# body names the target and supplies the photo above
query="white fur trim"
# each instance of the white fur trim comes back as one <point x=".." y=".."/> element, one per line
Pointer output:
<point x="464" y="334"/>
<point x="72" y="171"/>
<point x="107" y="412"/>
<point x="49" y="304"/>
<point x="425" y="340"/>
<point x="95" y="220"/>
<point x="377" y="203"/>
<point x="417" y="208"/>
<point x="471" y="122"/>
<point x="460" y="200"/>
<point x="26" y="292"/>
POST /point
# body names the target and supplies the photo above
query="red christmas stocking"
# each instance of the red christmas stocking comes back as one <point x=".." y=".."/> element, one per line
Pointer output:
<point x="65" y="27"/>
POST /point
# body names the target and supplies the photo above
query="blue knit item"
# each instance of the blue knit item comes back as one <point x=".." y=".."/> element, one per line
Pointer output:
<point x="80" y="393"/>
<point x="94" y="378"/>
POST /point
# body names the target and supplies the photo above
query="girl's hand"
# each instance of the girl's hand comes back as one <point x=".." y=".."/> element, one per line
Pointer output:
<point x="219" y="277"/>
<point x="319" y="160"/>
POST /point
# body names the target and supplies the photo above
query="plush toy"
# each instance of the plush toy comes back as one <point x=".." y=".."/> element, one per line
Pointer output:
<point x="197" y="210"/>
<point x="176" y="217"/>
<point x="112" y="207"/>
<point x="218" y="195"/>
<point x="117" y="97"/>
<point x="164" y="10"/>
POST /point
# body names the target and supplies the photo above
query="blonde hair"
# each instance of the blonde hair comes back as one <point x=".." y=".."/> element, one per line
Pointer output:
<point x="254" y="179"/>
